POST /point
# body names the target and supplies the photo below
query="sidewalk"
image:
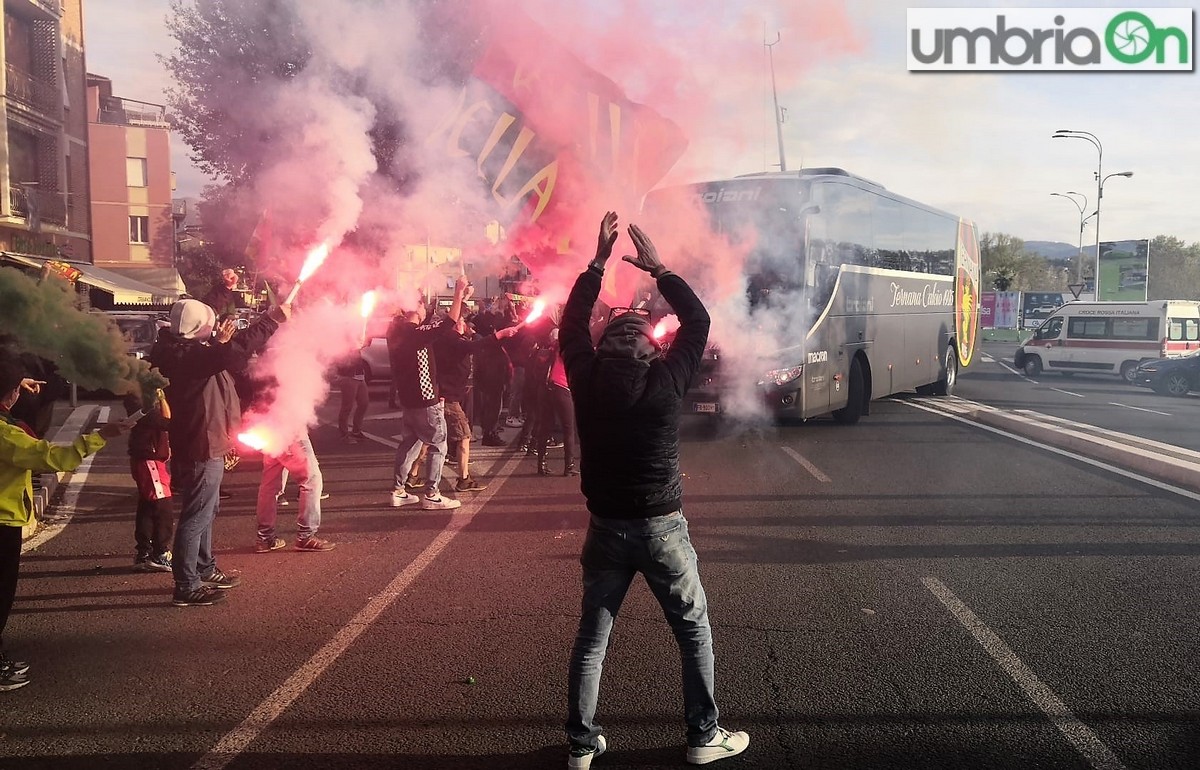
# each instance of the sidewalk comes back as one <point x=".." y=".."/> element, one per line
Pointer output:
<point x="66" y="425"/>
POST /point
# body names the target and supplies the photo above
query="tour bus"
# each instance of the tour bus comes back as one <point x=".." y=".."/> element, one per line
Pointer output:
<point x="1110" y="337"/>
<point x="886" y="290"/>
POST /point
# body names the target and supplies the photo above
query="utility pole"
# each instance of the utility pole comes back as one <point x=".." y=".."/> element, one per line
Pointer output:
<point x="775" y="97"/>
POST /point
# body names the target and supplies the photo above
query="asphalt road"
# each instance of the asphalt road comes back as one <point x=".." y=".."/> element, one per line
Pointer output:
<point x="910" y="592"/>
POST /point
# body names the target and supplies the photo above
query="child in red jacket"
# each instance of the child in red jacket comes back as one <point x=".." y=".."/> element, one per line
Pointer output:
<point x="149" y="451"/>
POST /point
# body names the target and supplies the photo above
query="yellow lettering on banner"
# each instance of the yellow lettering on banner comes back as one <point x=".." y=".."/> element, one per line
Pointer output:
<point x="514" y="154"/>
<point x="614" y="134"/>
<point x="502" y="123"/>
<point x="541" y="185"/>
<point x="452" y="142"/>
<point x="447" y="120"/>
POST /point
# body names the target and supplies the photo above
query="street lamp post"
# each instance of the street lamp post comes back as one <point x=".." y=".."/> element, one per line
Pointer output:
<point x="1082" y="221"/>
<point x="1063" y="133"/>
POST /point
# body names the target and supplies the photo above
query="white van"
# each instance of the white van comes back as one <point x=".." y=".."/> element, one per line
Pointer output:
<point x="1110" y="337"/>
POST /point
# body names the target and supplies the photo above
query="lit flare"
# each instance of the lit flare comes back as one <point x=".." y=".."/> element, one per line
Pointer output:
<point x="367" y="305"/>
<point x="255" y="438"/>
<point x="539" y="307"/>
<point x="316" y="258"/>
<point x="664" y="327"/>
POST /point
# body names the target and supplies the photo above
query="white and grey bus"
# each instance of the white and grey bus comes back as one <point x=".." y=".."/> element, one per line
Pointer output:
<point x="887" y="288"/>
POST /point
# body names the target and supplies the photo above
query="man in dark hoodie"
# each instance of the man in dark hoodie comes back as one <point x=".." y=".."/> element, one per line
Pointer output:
<point x="627" y="396"/>
<point x="197" y="356"/>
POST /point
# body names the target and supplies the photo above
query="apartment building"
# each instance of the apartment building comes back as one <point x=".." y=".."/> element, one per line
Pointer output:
<point x="133" y="231"/>
<point x="45" y="204"/>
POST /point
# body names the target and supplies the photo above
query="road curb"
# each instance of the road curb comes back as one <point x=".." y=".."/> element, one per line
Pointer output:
<point x="81" y="420"/>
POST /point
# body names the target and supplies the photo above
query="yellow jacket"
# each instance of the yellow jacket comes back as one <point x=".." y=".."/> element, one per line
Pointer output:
<point x="20" y="455"/>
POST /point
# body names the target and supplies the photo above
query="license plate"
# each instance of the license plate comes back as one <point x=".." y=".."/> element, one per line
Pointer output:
<point x="705" y="408"/>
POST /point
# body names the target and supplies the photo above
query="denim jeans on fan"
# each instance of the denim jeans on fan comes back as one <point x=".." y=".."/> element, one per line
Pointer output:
<point x="300" y="461"/>
<point x="197" y="485"/>
<point x="422" y="426"/>
<point x="614" y="552"/>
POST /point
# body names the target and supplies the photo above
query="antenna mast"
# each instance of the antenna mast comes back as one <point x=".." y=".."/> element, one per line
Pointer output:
<point x="775" y="97"/>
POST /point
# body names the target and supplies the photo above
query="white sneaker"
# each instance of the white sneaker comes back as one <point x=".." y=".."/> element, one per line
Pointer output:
<point x="581" y="759"/>
<point x="439" y="503"/>
<point x="723" y="744"/>
<point x="401" y="498"/>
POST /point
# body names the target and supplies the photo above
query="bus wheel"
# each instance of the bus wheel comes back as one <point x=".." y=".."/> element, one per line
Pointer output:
<point x="1129" y="371"/>
<point x="945" y="386"/>
<point x="1033" y="366"/>
<point x="849" y="414"/>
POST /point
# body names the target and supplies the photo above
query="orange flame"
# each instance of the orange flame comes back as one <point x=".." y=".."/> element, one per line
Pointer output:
<point x="539" y="307"/>
<point x="367" y="306"/>
<point x="316" y="258"/>
<point x="255" y="438"/>
<point x="667" y="325"/>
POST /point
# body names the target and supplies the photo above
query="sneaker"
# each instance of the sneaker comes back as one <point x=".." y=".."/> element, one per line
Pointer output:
<point x="469" y="484"/>
<point x="554" y="443"/>
<point x="492" y="439"/>
<point x="723" y="744"/>
<point x="266" y="546"/>
<point x="161" y="563"/>
<point x="312" y="543"/>
<point x="10" y="666"/>
<point x="401" y="498"/>
<point x="514" y="422"/>
<point x="358" y="434"/>
<point x="414" y="483"/>
<point x="219" y="579"/>
<point x="281" y="500"/>
<point x="439" y="503"/>
<point x="203" y="596"/>
<point x="12" y="681"/>
<point x="581" y="757"/>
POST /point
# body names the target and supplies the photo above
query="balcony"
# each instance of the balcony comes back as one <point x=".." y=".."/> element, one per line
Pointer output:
<point x="40" y="96"/>
<point x="50" y="10"/>
<point x="51" y="207"/>
<point x="130" y="112"/>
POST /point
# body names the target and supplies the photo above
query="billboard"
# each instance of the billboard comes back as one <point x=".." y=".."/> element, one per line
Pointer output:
<point x="1124" y="268"/>
<point x="1036" y="306"/>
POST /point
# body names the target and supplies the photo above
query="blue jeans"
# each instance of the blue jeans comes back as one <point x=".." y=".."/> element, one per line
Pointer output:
<point x="300" y="461"/>
<point x="422" y="426"/>
<point x="614" y="552"/>
<point x="197" y="485"/>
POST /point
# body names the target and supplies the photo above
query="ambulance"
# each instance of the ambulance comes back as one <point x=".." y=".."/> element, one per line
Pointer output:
<point x="1110" y="337"/>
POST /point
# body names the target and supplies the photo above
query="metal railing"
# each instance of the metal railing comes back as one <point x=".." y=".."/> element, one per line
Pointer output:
<point x="51" y="207"/>
<point x="130" y="112"/>
<point x="41" y="95"/>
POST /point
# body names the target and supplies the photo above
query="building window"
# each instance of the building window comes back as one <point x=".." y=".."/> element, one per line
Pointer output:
<point x="139" y="229"/>
<point x="135" y="172"/>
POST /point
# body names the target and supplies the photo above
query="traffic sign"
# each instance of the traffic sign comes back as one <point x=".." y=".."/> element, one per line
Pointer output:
<point x="1075" y="288"/>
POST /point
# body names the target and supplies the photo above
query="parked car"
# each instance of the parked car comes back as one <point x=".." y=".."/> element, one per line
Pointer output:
<point x="140" y="329"/>
<point x="1170" y="376"/>
<point x="379" y="366"/>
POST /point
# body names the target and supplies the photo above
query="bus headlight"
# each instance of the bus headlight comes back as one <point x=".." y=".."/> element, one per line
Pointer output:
<point x="779" y="377"/>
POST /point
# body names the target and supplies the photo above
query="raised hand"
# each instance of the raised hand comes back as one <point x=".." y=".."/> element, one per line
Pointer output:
<point x="647" y="255"/>
<point x="32" y="385"/>
<point x="608" y="236"/>
<point x="225" y="330"/>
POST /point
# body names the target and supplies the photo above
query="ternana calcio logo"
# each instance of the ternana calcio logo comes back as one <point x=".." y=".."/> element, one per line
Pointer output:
<point x="966" y="292"/>
<point x="1050" y="39"/>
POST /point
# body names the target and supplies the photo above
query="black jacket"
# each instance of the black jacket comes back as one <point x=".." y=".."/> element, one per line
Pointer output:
<point x="455" y="365"/>
<point x="148" y="439"/>
<point x="414" y="369"/>
<point x="205" y="410"/>
<point x="627" y="410"/>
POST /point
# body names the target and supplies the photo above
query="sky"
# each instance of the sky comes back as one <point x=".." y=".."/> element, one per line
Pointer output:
<point x="975" y="144"/>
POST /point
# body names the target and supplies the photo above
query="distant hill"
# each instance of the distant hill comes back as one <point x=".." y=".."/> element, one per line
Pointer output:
<point x="1052" y="249"/>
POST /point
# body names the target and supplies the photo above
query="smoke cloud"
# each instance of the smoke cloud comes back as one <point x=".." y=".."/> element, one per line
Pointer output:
<point x="409" y="126"/>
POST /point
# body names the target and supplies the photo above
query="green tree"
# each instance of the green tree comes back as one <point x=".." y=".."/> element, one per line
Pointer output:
<point x="231" y="55"/>
<point x="1008" y="266"/>
<point x="1174" y="269"/>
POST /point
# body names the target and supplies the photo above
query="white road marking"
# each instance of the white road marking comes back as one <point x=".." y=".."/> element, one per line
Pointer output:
<point x="1063" y="452"/>
<point x="1076" y="732"/>
<point x="814" y="470"/>
<point x="1016" y="372"/>
<point x="239" y="738"/>
<point x="1140" y="409"/>
<point x="987" y="358"/>
<point x="1069" y="393"/>
<point x="66" y="507"/>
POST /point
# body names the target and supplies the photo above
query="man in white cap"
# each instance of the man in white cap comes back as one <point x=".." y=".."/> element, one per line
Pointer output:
<point x="196" y="355"/>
